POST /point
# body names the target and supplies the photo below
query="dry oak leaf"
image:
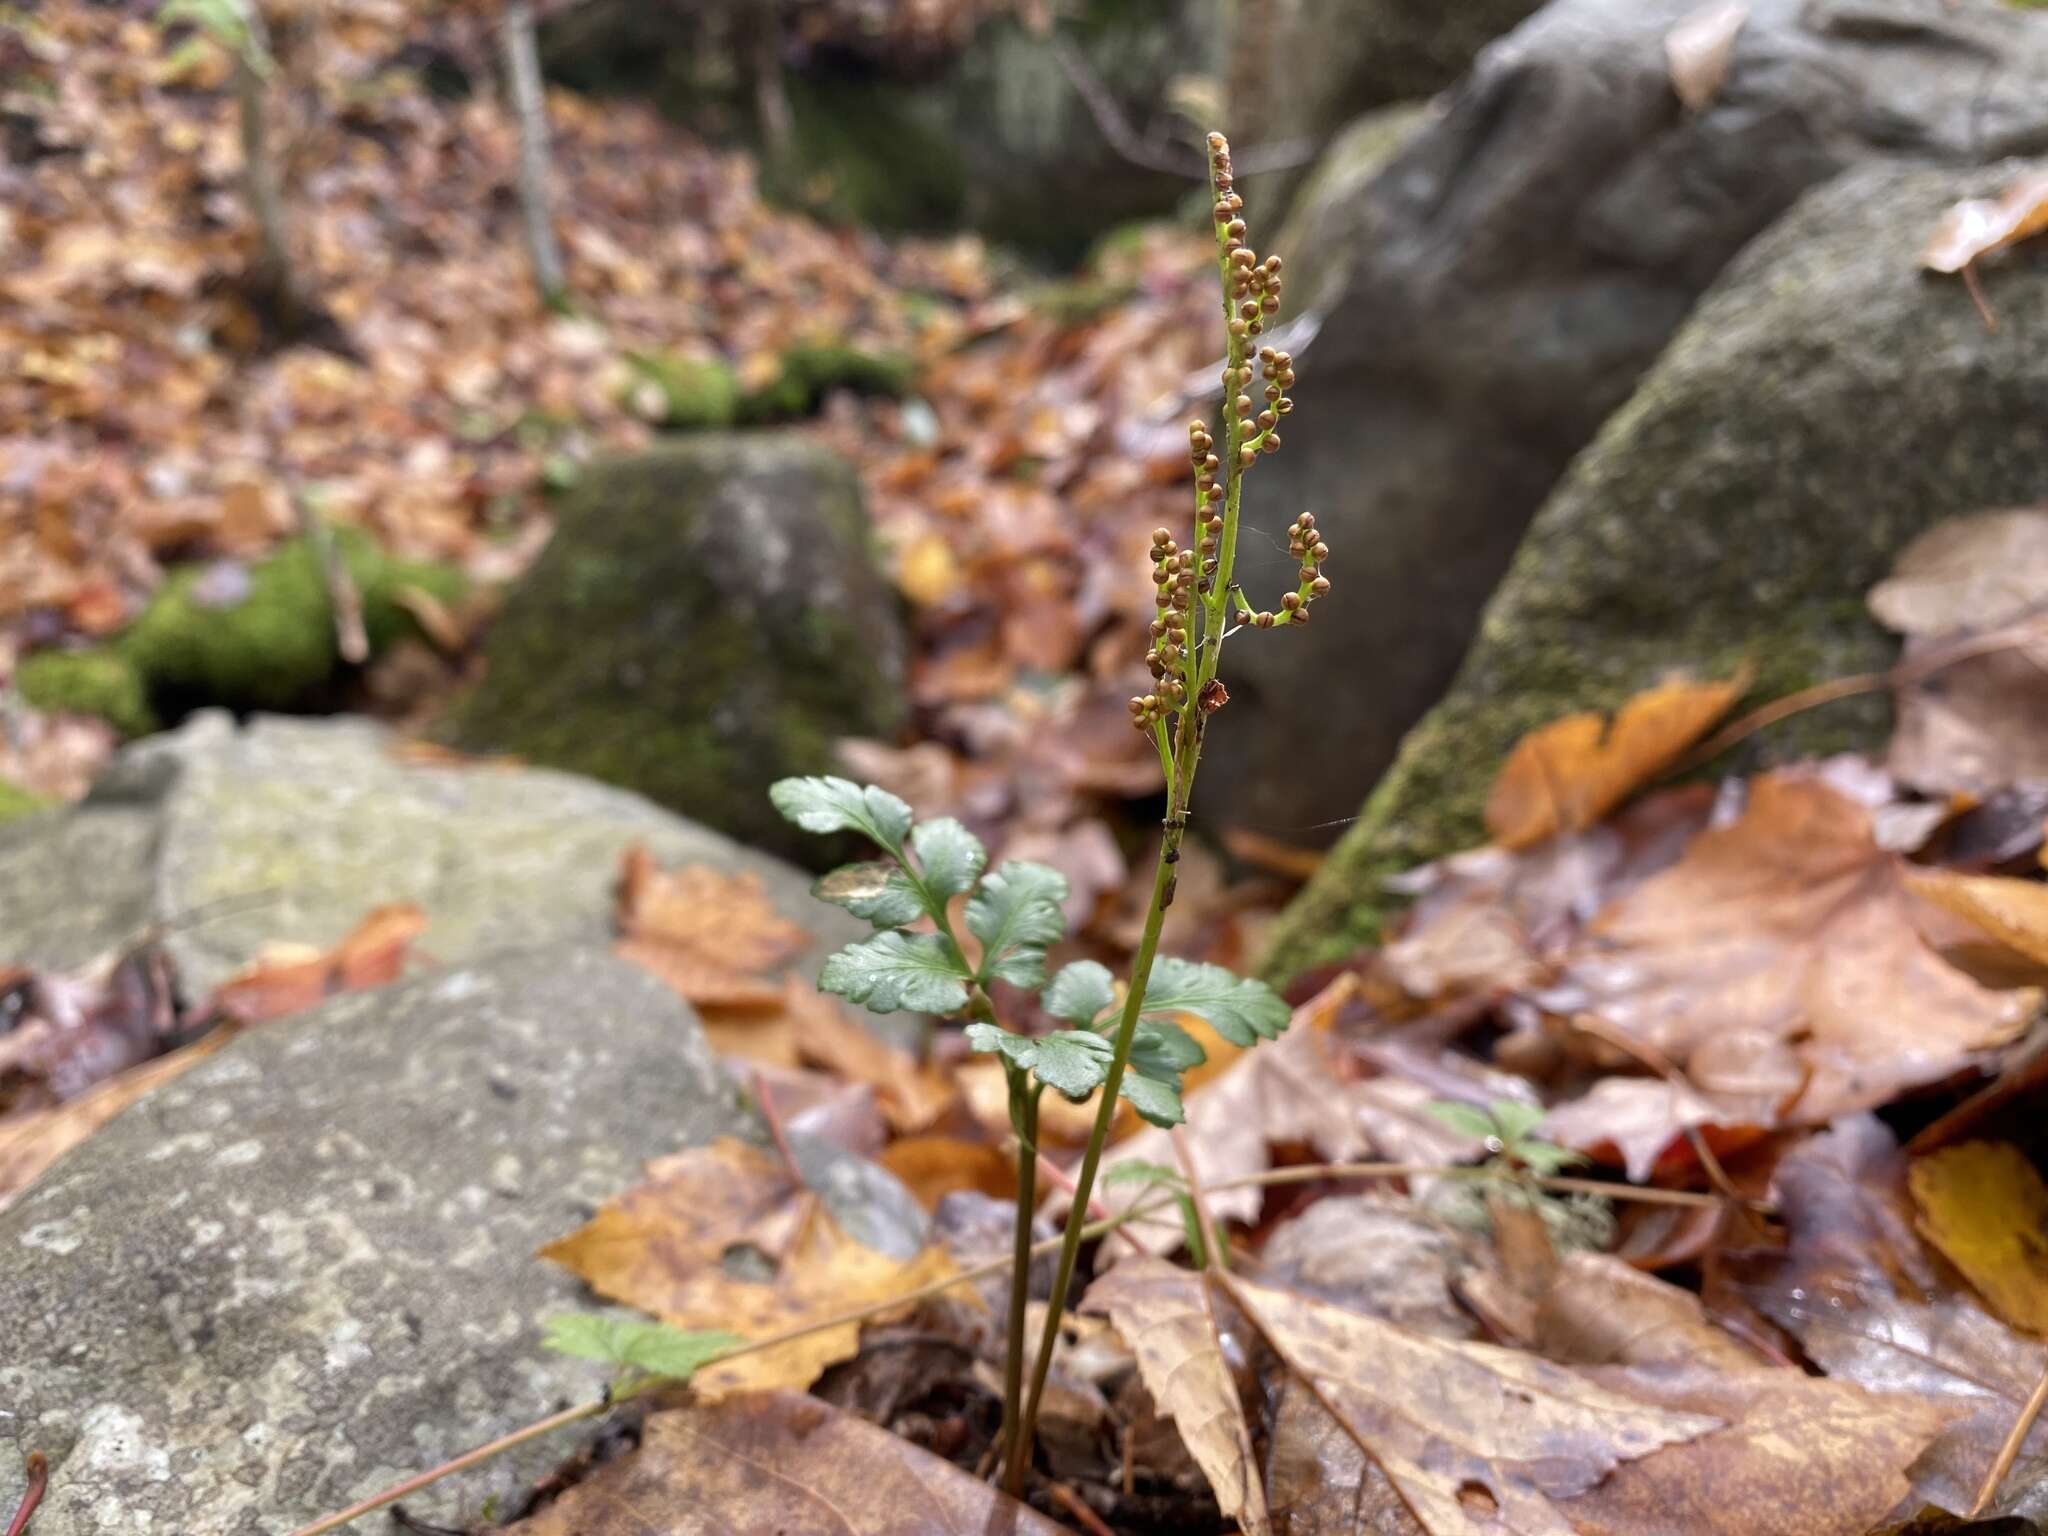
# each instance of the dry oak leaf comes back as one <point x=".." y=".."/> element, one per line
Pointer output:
<point x="1780" y="957"/>
<point x="288" y="978"/>
<point x="1476" y="1440"/>
<point x="1699" y="49"/>
<point x="1568" y="775"/>
<point x="1641" y="1123"/>
<point x="1168" y="1317"/>
<point x="913" y="1097"/>
<point x="1977" y="226"/>
<point x="664" y="1247"/>
<point x="710" y="935"/>
<point x="933" y="1167"/>
<point x="1986" y="1208"/>
<point x="774" y="1464"/>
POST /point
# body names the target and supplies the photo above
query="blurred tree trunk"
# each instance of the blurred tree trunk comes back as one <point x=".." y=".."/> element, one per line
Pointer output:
<point x="529" y="106"/>
<point x="761" y="42"/>
<point x="273" y="279"/>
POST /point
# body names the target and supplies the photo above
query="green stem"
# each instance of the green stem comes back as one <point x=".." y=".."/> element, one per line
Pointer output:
<point x="1024" y="1120"/>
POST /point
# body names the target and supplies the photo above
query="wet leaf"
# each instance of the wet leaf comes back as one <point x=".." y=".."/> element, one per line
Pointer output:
<point x="827" y="804"/>
<point x="1779" y="957"/>
<point x="1074" y="1061"/>
<point x="1015" y="912"/>
<point x="1571" y="773"/>
<point x="690" y="1247"/>
<point x="1986" y="1208"/>
<point x="710" y="935"/>
<point x="1168" y="1318"/>
<point x="776" y="1463"/>
<point x="949" y="857"/>
<point x="898" y="971"/>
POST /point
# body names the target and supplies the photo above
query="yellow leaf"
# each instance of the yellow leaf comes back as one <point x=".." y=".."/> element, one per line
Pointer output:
<point x="1985" y="1207"/>
<point x="665" y="1248"/>
<point x="927" y="571"/>
<point x="2013" y="913"/>
<point x="1571" y="773"/>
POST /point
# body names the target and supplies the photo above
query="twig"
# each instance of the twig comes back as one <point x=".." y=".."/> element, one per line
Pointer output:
<point x="38" y="1468"/>
<point x="2009" y="1452"/>
<point x="1077" y="1506"/>
<point x="2008" y="638"/>
<point x="1309" y="1172"/>
<point x="775" y="1130"/>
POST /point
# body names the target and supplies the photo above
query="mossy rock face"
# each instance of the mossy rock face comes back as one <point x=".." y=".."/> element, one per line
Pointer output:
<point x="707" y="618"/>
<point x="1498" y="291"/>
<point x="100" y="681"/>
<point x="1825" y="404"/>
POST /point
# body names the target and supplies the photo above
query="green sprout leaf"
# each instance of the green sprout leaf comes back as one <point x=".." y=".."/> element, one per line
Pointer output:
<point x="950" y="856"/>
<point x="840" y="805"/>
<point x="1153" y="1098"/>
<point x="1464" y="1119"/>
<point x="1241" y="1011"/>
<point x="1080" y="992"/>
<point x="1075" y="1061"/>
<point x="1015" y="912"/>
<point x="877" y="891"/>
<point x="1513" y="1120"/>
<point x="656" y="1352"/>
<point x="1161" y="1049"/>
<point x="1157" y="1176"/>
<point x="898" y="971"/>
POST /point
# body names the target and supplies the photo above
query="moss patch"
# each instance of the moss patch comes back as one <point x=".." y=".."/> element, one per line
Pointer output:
<point x="100" y="681"/>
<point x="695" y="392"/>
<point x="16" y="802"/>
<point x="812" y="370"/>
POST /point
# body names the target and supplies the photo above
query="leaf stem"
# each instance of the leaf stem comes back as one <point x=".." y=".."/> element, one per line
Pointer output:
<point x="1024" y="1120"/>
<point x="37" y="1466"/>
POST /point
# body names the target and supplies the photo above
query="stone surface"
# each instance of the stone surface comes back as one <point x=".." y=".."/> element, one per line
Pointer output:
<point x="1495" y="293"/>
<point x="287" y="829"/>
<point x="304" y="1269"/>
<point x="706" y="619"/>
<point x="1828" y="402"/>
<point x="1306" y="68"/>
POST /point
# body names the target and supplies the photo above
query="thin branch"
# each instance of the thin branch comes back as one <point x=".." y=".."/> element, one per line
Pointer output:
<point x="2009" y="1452"/>
<point x="529" y="110"/>
<point x="37" y="1466"/>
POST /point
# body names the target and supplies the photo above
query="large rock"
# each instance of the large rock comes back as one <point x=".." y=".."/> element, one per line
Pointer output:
<point x="1302" y="69"/>
<point x="305" y="1269"/>
<point x="235" y="837"/>
<point x="1827" y="402"/>
<point x="1495" y="293"/>
<point x="707" y="618"/>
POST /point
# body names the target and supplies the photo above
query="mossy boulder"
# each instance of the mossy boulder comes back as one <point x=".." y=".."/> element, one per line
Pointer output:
<point x="1826" y="403"/>
<point x="1474" y="312"/>
<point x="260" y="636"/>
<point x="707" y="618"/>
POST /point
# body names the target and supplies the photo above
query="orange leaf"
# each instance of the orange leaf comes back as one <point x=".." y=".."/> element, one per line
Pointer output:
<point x="1977" y="226"/>
<point x="295" y="976"/>
<point x="1986" y="1208"/>
<point x="1571" y="773"/>
<point x="933" y="1167"/>
<point x="709" y="935"/>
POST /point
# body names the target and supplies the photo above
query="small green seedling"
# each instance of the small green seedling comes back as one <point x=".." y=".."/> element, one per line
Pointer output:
<point x="648" y="1355"/>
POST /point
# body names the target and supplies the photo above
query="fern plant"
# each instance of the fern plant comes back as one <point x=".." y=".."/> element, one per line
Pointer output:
<point x="1125" y="1045"/>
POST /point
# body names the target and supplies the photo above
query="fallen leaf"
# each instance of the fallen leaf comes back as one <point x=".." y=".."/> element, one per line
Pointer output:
<point x="1966" y="573"/>
<point x="1168" y="1318"/>
<point x="1869" y="1305"/>
<point x="669" y="1247"/>
<point x="1571" y="773"/>
<point x="1641" y="1123"/>
<point x="1599" y="1310"/>
<point x="1986" y="1208"/>
<point x="294" y="977"/>
<point x="1779" y="957"/>
<point x="913" y="1097"/>
<point x="933" y="1167"/>
<point x="773" y="1463"/>
<point x="1476" y="1440"/>
<point x="710" y="935"/>
<point x="1977" y="226"/>
<point x="1699" y="49"/>
<point x="2008" y="918"/>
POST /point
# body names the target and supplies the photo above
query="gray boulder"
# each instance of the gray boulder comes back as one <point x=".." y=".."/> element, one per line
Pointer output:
<point x="288" y="829"/>
<point x="304" y="1270"/>
<point x="707" y="618"/>
<point x="1828" y="402"/>
<point x="1495" y="293"/>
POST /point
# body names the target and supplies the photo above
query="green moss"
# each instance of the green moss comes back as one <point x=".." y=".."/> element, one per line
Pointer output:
<point x="869" y="152"/>
<point x="811" y="370"/>
<point x="16" y="802"/>
<point x="275" y="646"/>
<point x="696" y="392"/>
<point x="100" y="681"/>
